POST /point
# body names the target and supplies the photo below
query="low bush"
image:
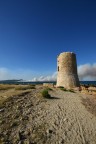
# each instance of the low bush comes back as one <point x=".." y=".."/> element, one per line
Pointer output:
<point x="45" y="94"/>
<point x="50" y="89"/>
<point x="70" y="90"/>
<point x="62" y="88"/>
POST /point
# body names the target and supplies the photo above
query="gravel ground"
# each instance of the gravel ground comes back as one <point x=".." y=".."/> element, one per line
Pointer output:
<point x="30" y="119"/>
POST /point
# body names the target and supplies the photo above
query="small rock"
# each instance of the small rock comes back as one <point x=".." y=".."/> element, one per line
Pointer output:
<point x="22" y="136"/>
<point x="62" y="142"/>
<point x="49" y="131"/>
<point x="1" y="110"/>
<point x="65" y="119"/>
<point x="26" y="142"/>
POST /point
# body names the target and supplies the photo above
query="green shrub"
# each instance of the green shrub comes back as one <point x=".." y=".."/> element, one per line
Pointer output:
<point x="49" y="88"/>
<point x="62" y="88"/>
<point x="71" y="90"/>
<point x="45" y="94"/>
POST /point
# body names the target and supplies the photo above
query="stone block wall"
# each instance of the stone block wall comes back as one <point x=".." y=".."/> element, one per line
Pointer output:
<point x="67" y="70"/>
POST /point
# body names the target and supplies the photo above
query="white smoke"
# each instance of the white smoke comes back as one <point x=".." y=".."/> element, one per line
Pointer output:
<point x="52" y="77"/>
<point x="87" y="72"/>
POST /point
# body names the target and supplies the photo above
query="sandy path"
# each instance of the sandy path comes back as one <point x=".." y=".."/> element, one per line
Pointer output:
<point x="62" y="120"/>
<point x="72" y="122"/>
<point x="67" y="120"/>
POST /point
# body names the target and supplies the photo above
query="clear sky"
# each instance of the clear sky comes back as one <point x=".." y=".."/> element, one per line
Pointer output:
<point x="34" y="32"/>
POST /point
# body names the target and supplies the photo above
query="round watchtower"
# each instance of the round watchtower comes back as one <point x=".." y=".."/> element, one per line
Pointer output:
<point x="67" y="70"/>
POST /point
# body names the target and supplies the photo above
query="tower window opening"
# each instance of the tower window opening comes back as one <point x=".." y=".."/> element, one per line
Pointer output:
<point x="58" y="68"/>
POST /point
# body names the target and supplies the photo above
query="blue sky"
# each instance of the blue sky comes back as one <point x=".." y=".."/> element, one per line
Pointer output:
<point x="34" y="32"/>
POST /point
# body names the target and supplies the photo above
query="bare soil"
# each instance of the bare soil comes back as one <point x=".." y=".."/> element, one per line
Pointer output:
<point x="28" y="118"/>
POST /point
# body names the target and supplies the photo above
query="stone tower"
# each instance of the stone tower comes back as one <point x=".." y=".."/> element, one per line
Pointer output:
<point x="67" y="70"/>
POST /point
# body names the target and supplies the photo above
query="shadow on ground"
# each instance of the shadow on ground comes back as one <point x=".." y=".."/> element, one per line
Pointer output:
<point x="90" y="104"/>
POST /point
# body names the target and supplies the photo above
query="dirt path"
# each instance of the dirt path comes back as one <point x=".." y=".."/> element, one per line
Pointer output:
<point x="69" y="121"/>
<point x="72" y="122"/>
<point x="61" y="120"/>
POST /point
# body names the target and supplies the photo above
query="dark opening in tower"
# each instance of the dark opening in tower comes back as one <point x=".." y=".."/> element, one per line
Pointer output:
<point x="58" y="68"/>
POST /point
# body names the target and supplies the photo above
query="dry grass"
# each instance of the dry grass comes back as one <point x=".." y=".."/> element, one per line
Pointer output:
<point x="7" y="91"/>
<point x="10" y="93"/>
<point x="6" y="87"/>
<point x="16" y="87"/>
<point x="25" y="87"/>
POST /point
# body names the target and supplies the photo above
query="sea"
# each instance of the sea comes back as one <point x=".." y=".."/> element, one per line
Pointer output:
<point x="40" y="82"/>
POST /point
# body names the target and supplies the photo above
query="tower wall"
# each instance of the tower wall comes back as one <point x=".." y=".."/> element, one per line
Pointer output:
<point x="67" y="70"/>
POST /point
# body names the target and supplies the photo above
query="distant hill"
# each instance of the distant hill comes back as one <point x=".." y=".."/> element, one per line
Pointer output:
<point x="11" y="81"/>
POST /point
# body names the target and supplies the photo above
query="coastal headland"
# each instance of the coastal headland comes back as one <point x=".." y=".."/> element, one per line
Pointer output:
<point x="65" y="116"/>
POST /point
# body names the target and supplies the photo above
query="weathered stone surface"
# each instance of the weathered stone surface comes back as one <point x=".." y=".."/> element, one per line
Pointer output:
<point x="67" y="70"/>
